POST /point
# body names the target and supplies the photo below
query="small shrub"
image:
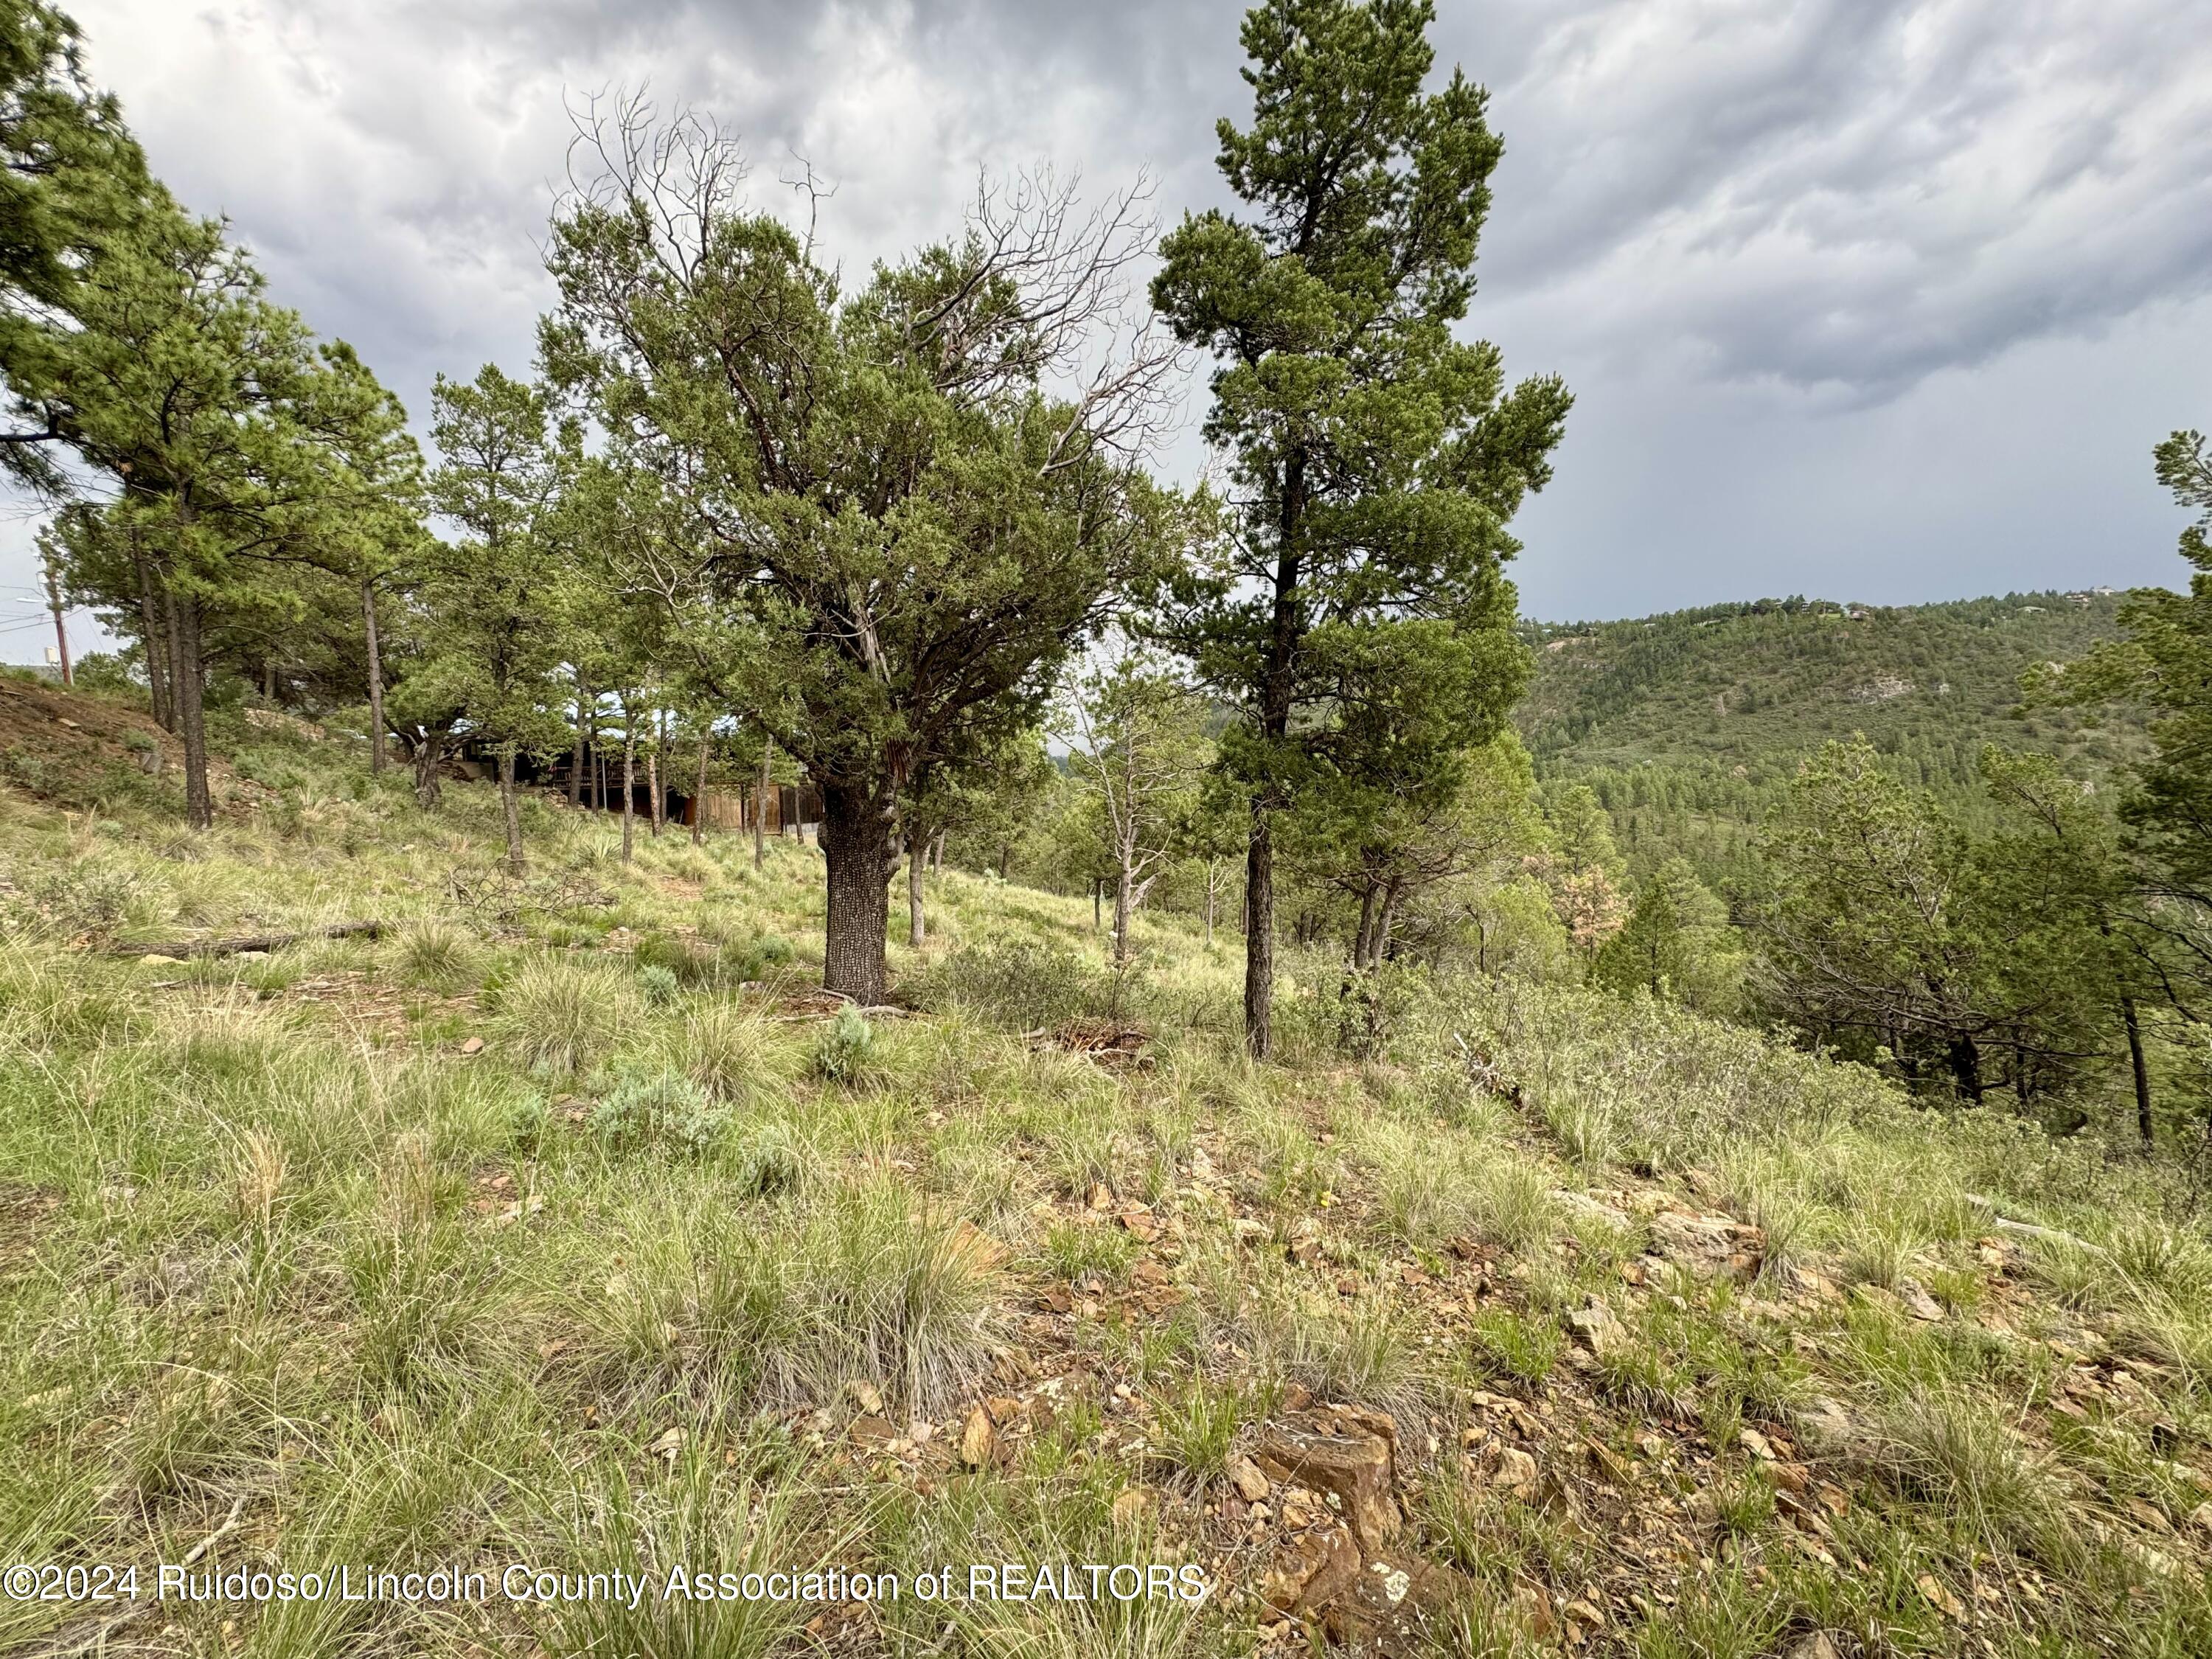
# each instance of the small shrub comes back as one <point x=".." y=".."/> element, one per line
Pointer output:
<point x="660" y="986"/>
<point x="1018" y="987"/>
<point x="770" y="1159"/>
<point x="847" y="1049"/>
<point x="684" y="961"/>
<point x="663" y="1106"/>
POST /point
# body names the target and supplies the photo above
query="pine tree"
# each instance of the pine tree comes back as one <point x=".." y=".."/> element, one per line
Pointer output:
<point x="1375" y="457"/>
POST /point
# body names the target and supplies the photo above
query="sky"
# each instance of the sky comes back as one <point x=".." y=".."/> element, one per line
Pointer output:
<point x="1882" y="301"/>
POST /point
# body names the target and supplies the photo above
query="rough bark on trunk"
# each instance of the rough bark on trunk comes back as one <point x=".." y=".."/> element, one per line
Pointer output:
<point x="159" y="681"/>
<point x="376" y="664"/>
<point x="430" y="750"/>
<point x="1260" y="935"/>
<point x="1381" y="946"/>
<point x="1363" y="939"/>
<point x="1006" y="860"/>
<point x="2144" y="1126"/>
<point x="936" y="853"/>
<point x="189" y="689"/>
<point x="1274" y="727"/>
<point x="510" y="806"/>
<point x="628" y="781"/>
<point x="576" y="758"/>
<point x="857" y="851"/>
<point x="699" y="797"/>
<point x="917" y="859"/>
<point x="760" y="807"/>
<point x="652" y="770"/>
<point x="653" y="810"/>
<point x="1122" y="892"/>
<point x="1966" y="1059"/>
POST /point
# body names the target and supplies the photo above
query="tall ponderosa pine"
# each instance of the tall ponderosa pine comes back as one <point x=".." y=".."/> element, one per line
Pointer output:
<point x="71" y="177"/>
<point x="902" y="531"/>
<point x="493" y="596"/>
<point x="1376" y="458"/>
<point x="227" y="430"/>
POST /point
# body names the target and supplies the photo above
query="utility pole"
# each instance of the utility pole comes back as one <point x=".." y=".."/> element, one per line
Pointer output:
<point x="61" y="631"/>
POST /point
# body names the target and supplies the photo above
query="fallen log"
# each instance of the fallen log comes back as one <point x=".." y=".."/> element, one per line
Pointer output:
<point x="231" y="947"/>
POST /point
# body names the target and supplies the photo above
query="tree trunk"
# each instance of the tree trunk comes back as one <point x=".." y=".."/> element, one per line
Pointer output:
<point x="653" y="807"/>
<point x="1260" y="936"/>
<point x="2144" y="1126"/>
<point x="510" y="806"/>
<point x="699" y="795"/>
<point x="917" y="859"/>
<point x="189" y="686"/>
<point x="1362" y="939"/>
<point x="375" y="666"/>
<point x="61" y="629"/>
<point x="936" y="853"/>
<point x="760" y="805"/>
<point x="1274" y="727"/>
<point x="1006" y="860"/>
<point x="1211" y="864"/>
<point x="1380" y="947"/>
<point x="857" y="852"/>
<point x="629" y="779"/>
<point x="577" y="794"/>
<point x="430" y="750"/>
<point x="159" y="682"/>
<point x="1097" y="890"/>
<point x="1966" y="1061"/>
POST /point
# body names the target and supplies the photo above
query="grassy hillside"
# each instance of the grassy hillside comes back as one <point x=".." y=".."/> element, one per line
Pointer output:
<point x="560" y="1222"/>
<point x="1688" y="724"/>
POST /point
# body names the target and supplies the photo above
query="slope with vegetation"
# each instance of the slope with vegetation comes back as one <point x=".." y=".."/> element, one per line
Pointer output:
<point x="1689" y="724"/>
<point x="559" y="1221"/>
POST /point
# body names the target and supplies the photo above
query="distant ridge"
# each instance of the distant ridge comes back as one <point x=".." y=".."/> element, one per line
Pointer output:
<point x="1689" y="723"/>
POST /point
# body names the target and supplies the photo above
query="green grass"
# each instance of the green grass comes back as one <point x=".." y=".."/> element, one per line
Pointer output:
<point x="615" y="1283"/>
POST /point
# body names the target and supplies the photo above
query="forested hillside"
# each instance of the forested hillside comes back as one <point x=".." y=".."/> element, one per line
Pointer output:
<point x="1689" y="724"/>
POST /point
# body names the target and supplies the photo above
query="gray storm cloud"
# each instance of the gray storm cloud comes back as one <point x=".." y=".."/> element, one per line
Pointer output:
<point x="1883" y="298"/>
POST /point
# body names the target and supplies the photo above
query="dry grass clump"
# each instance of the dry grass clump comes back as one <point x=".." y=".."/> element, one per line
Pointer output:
<point x="791" y="1308"/>
<point x="561" y="1016"/>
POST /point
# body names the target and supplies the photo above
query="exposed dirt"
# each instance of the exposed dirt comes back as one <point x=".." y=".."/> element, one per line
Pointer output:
<point x="67" y="735"/>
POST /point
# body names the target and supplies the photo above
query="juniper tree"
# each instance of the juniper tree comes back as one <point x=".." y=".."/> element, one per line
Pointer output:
<point x="1376" y="458"/>
<point x="903" y="527"/>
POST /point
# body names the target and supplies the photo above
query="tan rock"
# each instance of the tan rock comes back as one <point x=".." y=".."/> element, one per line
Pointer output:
<point x="1355" y="1469"/>
<point x="978" y="1248"/>
<point x="1244" y="1475"/>
<point x="1516" y="1470"/>
<point x="1596" y="1330"/>
<point x="1317" y="1568"/>
<point x="979" y="1438"/>
<point x="1129" y="1508"/>
<point x="1917" y="1301"/>
<point x="1814" y="1644"/>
